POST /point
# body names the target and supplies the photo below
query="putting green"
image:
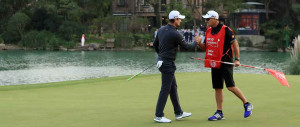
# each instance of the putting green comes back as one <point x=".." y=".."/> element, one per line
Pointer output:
<point x="115" y="102"/>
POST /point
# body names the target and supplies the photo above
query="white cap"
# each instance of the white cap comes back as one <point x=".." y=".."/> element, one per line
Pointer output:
<point x="175" y="14"/>
<point x="211" y="14"/>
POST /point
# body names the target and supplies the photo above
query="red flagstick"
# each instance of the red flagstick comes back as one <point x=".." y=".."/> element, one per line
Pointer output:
<point x="276" y="74"/>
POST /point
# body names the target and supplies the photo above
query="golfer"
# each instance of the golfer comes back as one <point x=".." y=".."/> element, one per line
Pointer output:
<point x="166" y="45"/>
<point x="218" y="44"/>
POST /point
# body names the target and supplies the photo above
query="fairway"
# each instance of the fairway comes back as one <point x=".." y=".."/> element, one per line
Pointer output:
<point x="116" y="102"/>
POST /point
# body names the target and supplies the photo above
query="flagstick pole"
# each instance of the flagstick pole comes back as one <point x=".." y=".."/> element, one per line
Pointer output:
<point x="278" y="75"/>
<point x="228" y="63"/>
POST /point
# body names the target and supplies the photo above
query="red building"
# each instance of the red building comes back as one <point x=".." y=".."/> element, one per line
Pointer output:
<point x="247" y="20"/>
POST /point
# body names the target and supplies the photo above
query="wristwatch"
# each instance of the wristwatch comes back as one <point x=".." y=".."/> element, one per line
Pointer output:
<point x="237" y="59"/>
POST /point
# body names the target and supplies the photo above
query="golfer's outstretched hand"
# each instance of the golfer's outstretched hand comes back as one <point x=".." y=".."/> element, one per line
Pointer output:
<point x="237" y="63"/>
<point x="198" y="39"/>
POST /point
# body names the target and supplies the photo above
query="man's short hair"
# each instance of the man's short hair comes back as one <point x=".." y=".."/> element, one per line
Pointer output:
<point x="171" y="20"/>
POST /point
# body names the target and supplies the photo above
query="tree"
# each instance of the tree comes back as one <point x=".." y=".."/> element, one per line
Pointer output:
<point x="65" y="7"/>
<point x="70" y="28"/>
<point x="156" y="4"/>
<point x="39" y="18"/>
<point x="193" y="7"/>
<point x="17" y="23"/>
<point x="174" y="5"/>
<point x="231" y="6"/>
<point x="213" y="5"/>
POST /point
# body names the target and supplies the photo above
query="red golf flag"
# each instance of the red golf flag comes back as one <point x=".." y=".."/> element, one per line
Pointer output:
<point x="279" y="76"/>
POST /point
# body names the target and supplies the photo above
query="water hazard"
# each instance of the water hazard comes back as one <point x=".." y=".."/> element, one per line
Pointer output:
<point x="31" y="67"/>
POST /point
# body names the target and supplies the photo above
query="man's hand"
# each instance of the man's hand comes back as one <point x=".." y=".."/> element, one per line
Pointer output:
<point x="198" y="39"/>
<point x="159" y="63"/>
<point x="237" y="63"/>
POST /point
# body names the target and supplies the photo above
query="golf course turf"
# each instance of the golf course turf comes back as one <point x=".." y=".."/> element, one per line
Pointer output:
<point x="116" y="102"/>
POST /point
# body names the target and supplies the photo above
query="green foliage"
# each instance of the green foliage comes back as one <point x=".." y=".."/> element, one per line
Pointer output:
<point x="36" y="39"/>
<point x="141" y="39"/>
<point x="11" y="37"/>
<point x="112" y="24"/>
<point x="69" y="28"/>
<point x="178" y="5"/>
<point x="245" y="42"/>
<point x="39" y="19"/>
<point x="64" y="43"/>
<point x="44" y="40"/>
<point x="31" y="40"/>
<point x="293" y="67"/>
<point x="124" y="40"/>
<point x="296" y="8"/>
<point x="135" y="24"/>
<point x="108" y="35"/>
<point x="16" y="27"/>
<point x="212" y="5"/>
<point x="91" y="38"/>
<point x="1" y="40"/>
<point x="274" y="31"/>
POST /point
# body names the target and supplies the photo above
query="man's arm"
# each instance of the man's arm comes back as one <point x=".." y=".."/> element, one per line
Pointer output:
<point x="188" y="46"/>
<point x="202" y="45"/>
<point x="156" y="44"/>
<point x="236" y="50"/>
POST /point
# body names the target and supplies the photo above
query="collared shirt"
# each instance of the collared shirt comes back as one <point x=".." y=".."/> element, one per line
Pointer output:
<point x="167" y="41"/>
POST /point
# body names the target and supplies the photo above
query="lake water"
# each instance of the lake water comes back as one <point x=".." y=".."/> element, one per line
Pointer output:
<point x="30" y="67"/>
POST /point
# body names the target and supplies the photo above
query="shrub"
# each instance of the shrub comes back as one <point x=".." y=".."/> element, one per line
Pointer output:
<point x="249" y="43"/>
<point x="141" y="39"/>
<point x="11" y="37"/>
<point x="31" y="40"/>
<point x="108" y="35"/>
<point x="293" y="67"/>
<point x="37" y="39"/>
<point x="294" y="64"/>
<point x="45" y="40"/>
<point x="66" y="44"/>
<point x="1" y="40"/>
<point x="274" y="31"/>
<point x="68" y="30"/>
<point x="124" y="40"/>
<point x="16" y="26"/>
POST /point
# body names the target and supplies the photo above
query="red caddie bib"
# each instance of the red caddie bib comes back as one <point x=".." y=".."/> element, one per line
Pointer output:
<point x="214" y="48"/>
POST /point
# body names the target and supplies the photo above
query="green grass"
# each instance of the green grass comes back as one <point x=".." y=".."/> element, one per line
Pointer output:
<point x="115" y="102"/>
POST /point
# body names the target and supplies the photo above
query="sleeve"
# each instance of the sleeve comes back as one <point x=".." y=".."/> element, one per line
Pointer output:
<point x="185" y="45"/>
<point x="229" y="35"/>
<point x="156" y="44"/>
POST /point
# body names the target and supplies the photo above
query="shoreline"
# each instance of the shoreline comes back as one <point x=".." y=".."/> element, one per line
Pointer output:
<point x="122" y="77"/>
<point x="90" y="47"/>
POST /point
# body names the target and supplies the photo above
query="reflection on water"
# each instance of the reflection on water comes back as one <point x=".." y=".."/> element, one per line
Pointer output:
<point x="29" y="67"/>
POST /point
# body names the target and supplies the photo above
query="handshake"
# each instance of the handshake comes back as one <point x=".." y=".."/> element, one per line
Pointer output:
<point x="198" y="39"/>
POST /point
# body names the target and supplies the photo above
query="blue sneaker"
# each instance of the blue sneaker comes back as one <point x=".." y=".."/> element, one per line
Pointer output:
<point x="216" y="116"/>
<point x="248" y="109"/>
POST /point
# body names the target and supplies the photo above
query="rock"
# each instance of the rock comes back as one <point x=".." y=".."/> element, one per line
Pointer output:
<point x="90" y="49"/>
<point x="13" y="47"/>
<point x="110" y="40"/>
<point x="72" y="50"/>
<point x="2" y="46"/>
<point x="94" y="45"/>
<point x="61" y="48"/>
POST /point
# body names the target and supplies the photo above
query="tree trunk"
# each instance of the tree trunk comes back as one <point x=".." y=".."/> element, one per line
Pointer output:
<point x="100" y="30"/>
<point x="157" y="7"/>
<point x="193" y="12"/>
<point x="267" y="5"/>
<point x="159" y="16"/>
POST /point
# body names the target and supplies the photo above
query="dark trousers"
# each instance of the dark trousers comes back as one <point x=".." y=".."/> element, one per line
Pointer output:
<point x="169" y="86"/>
